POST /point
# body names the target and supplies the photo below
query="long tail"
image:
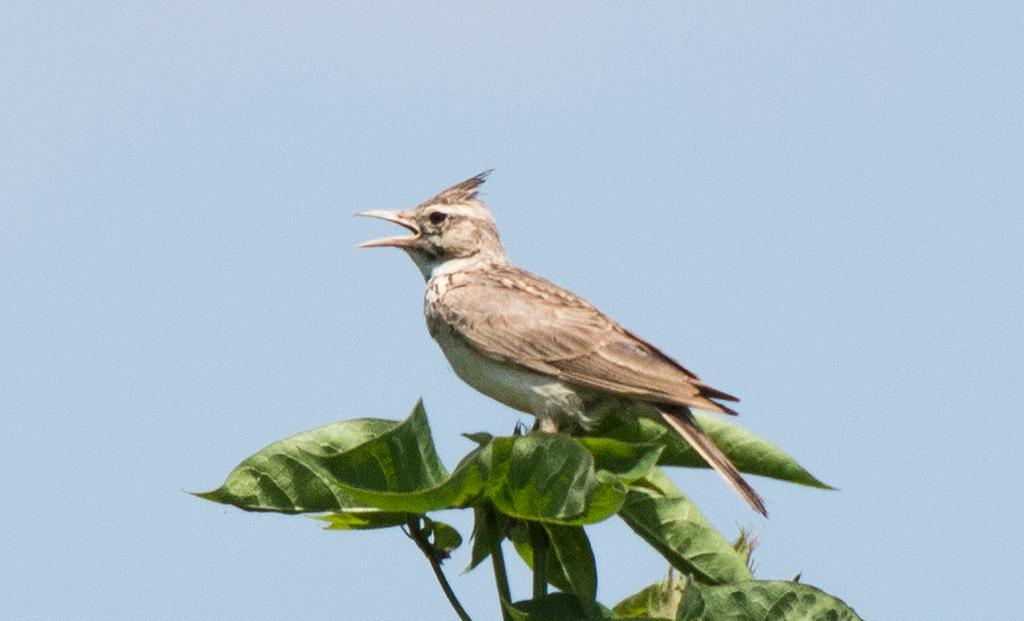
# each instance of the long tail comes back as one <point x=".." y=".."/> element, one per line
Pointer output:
<point x="681" y="420"/>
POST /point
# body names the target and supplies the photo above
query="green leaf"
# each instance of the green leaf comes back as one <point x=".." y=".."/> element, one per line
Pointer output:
<point x="670" y="523"/>
<point x="763" y="600"/>
<point x="367" y="475"/>
<point x="481" y="437"/>
<point x="692" y="604"/>
<point x="570" y="563"/>
<point x="570" y="548"/>
<point x="362" y="519"/>
<point x="550" y="478"/>
<point x="748" y="451"/>
<point x="558" y="607"/>
<point x="538" y="477"/>
<point x="311" y="471"/>
<point x="398" y="461"/>
<point x="519" y="535"/>
<point x="489" y="530"/>
<point x="457" y="490"/>
<point x="444" y="539"/>
<point x="627" y="461"/>
<point x="659" y="600"/>
<point x="297" y="474"/>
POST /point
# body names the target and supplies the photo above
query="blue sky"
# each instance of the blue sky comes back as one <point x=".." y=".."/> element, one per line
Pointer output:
<point x="816" y="207"/>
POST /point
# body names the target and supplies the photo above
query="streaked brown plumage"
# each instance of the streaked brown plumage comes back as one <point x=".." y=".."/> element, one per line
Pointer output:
<point x="518" y="317"/>
<point x="536" y="346"/>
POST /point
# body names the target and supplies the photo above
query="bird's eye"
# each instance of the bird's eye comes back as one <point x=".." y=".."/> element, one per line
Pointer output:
<point x="438" y="217"/>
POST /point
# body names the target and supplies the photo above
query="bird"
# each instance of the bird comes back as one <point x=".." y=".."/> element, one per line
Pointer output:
<point x="535" y="346"/>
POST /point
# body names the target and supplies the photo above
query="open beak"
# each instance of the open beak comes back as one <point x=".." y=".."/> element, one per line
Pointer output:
<point x="398" y="217"/>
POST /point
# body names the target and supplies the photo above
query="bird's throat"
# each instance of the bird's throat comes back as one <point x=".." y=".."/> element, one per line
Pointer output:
<point x="431" y="266"/>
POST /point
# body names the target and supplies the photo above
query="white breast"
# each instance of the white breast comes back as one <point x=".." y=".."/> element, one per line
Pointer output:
<point x="545" y="397"/>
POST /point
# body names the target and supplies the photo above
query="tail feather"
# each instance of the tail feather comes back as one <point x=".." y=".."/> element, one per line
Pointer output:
<point x="681" y="420"/>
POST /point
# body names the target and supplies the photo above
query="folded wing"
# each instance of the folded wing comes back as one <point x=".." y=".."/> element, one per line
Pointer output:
<point x="516" y="317"/>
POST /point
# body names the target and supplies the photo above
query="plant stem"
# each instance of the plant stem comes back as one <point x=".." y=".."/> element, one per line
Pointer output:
<point x="500" y="574"/>
<point x="539" y="543"/>
<point x="416" y="533"/>
<point x="501" y="578"/>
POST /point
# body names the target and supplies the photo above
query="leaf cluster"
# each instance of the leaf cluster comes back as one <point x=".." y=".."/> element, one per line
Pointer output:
<point x="537" y="491"/>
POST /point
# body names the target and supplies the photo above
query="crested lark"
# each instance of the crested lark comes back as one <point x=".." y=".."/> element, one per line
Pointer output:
<point x="536" y="347"/>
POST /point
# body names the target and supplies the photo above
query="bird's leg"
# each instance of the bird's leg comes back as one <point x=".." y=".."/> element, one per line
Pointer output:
<point x="546" y="424"/>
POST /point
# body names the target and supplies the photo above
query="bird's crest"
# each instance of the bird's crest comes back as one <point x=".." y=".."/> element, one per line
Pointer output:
<point x="462" y="192"/>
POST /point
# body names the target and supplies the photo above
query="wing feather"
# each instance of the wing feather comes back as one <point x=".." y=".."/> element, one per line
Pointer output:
<point x="517" y="317"/>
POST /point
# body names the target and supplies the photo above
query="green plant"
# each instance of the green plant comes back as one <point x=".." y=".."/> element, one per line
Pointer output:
<point x="538" y="491"/>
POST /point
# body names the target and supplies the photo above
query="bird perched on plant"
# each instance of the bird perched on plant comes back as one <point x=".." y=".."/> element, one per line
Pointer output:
<point x="535" y="346"/>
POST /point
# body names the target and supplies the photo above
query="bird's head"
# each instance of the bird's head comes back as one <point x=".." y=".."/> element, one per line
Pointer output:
<point x="452" y="226"/>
